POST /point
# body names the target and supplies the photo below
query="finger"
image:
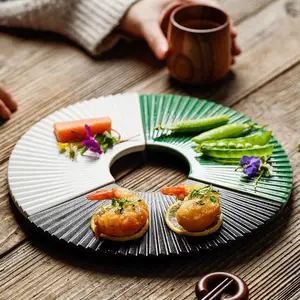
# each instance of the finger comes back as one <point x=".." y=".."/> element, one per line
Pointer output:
<point x="4" y="111"/>
<point x="7" y="98"/>
<point x="236" y="49"/>
<point x="233" y="32"/>
<point x="155" y="38"/>
<point x="211" y="3"/>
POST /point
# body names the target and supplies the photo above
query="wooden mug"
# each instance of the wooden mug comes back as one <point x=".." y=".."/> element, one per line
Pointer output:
<point x="200" y="44"/>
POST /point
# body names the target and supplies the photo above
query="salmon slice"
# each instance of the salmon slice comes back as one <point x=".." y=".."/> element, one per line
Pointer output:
<point x="74" y="131"/>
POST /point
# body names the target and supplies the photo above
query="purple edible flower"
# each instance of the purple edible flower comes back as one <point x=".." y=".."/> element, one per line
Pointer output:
<point x="250" y="165"/>
<point x="90" y="142"/>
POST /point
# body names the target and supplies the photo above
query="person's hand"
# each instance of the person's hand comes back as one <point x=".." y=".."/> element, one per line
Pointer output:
<point x="7" y="103"/>
<point x="145" y="17"/>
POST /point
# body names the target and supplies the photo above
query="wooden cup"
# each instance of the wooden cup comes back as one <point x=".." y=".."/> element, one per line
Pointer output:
<point x="200" y="44"/>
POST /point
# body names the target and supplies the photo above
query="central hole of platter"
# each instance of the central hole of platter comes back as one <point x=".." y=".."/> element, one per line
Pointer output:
<point x="150" y="170"/>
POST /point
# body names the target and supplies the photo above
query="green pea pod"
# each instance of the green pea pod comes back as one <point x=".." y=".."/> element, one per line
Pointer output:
<point x="259" y="139"/>
<point x="195" y="126"/>
<point x="226" y="131"/>
<point x="227" y="161"/>
<point x="258" y="151"/>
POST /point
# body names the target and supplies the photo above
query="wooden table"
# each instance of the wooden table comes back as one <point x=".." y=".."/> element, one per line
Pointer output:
<point x="46" y="72"/>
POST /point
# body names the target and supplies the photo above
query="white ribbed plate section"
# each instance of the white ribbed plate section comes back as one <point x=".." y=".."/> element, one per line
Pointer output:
<point x="39" y="177"/>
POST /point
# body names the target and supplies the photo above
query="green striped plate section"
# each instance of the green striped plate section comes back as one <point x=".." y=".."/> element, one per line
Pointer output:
<point x="165" y="109"/>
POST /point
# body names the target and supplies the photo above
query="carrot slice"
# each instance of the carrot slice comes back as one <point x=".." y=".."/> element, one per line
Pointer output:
<point x="74" y="131"/>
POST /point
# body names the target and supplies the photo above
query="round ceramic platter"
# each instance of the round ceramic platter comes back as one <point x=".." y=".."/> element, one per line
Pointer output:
<point x="50" y="190"/>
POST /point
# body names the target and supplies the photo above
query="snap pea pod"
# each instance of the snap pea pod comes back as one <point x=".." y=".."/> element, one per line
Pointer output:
<point x="227" y="161"/>
<point x="195" y="126"/>
<point x="226" y="131"/>
<point x="258" y="151"/>
<point x="259" y="139"/>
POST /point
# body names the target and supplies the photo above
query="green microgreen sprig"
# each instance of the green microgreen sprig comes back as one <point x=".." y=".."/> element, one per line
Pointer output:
<point x="119" y="204"/>
<point x="265" y="169"/>
<point x="200" y="193"/>
<point x="213" y="199"/>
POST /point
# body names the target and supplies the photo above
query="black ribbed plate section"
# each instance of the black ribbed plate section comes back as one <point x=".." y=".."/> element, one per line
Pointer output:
<point x="70" y="222"/>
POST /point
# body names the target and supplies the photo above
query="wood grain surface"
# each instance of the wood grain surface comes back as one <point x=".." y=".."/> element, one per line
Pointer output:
<point x="46" y="72"/>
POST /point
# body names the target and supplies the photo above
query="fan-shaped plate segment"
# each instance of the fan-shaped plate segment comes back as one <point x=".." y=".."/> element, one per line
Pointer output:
<point x="167" y="109"/>
<point x="40" y="177"/>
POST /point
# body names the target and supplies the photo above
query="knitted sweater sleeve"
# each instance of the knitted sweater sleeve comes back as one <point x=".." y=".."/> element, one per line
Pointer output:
<point x="90" y="23"/>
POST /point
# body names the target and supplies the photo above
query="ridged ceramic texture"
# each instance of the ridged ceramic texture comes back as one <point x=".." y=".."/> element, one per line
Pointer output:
<point x="70" y="222"/>
<point x="166" y="109"/>
<point x="40" y="177"/>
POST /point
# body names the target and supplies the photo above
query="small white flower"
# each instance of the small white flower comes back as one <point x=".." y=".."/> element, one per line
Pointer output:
<point x="267" y="169"/>
<point x="270" y="170"/>
<point x="72" y="152"/>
